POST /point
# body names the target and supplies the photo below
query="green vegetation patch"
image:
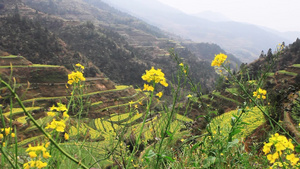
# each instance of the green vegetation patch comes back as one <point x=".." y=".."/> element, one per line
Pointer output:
<point x="17" y="111"/>
<point x="269" y="74"/>
<point x="218" y="94"/>
<point x="118" y="88"/>
<point x="134" y="118"/>
<point x="252" y="119"/>
<point x="183" y="118"/>
<point x="44" y="99"/>
<point x="120" y="117"/>
<point x="205" y="96"/>
<point x="31" y="140"/>
<point x="233" y="91"/>
<point x="287" y="73"/>
<point x="10" y="56"/>
<point x="296" y="65"/>
<point x="33" y="66"/>
<point x="84" y="129"/>
<point x="104" y="125"/>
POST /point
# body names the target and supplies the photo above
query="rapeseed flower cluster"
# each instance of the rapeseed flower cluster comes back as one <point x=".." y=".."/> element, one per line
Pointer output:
<point x="283" y="150"/>
<point x="56" y="111"/>
<point x="59" y="126"/>
<point x="5" y="132"/>
<point x="183" y="68"/>
<point x="36" y="153"/>
<point x="260" y="93"/>
<point x="154" y="76"/>
<point x="148" y="87"/>
<point x="219" y="59"/>
<point x="76" y="76"/>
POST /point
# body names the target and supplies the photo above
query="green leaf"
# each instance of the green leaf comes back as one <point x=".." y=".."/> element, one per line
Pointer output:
<point x="235" y="131"/>
<point x="169" y="133"/>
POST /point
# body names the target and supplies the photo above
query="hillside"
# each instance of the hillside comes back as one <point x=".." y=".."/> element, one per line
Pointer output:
<point x="99" y="36"/>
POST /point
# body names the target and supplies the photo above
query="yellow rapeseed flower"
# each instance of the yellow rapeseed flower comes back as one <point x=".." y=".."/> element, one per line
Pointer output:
<point x="292" y="158"/>
<point x="51" y="114"/>
<point x="46" y="154"/>
<point x="181" y="64"/>
<point x="65" y="115"/>
<point x="40" y="164"/>
<point x="35" y="148"/>
<point x="47" y="144"/>
<point x="148" y="88"/>
<point x="189" y="96"/>
<point x="66" y="136"/>
<point x="6" y="130"/>
<point x="75" y="77"/>
<point x="273" y="157"/>
<point x="159" y="94"/>
<point x="219" y="59"/>
<point x="260" y="93"/>
<point x="156" y="76"/>
<point x="32" y="154"/>
<point x="267" y="147"/>
<point x="1" y="136"/>
<point x="57" y="125"/>
<point x="26" y="166"/>
<point x="60" y="107"/>
<point x="79" y="65"/>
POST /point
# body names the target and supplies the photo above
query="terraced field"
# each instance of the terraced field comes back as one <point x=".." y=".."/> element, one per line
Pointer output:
<point x="251" y="120"/>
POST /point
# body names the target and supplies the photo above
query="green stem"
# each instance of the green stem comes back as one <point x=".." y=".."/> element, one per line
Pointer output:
<point x="136" y="147"/>
<point x="169" y="121"/>
<point x="41" y="129"/>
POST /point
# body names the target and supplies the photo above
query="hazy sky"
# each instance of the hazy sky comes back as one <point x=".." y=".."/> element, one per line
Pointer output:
<point x="281" y="15"/>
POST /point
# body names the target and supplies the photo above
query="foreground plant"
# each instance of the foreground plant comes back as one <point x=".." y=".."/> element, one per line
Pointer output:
<point x="37" y="154"/>
<point x="280" y="152"/>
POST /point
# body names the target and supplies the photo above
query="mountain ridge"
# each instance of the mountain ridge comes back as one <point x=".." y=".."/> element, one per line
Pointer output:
<point x="202" y="30"/>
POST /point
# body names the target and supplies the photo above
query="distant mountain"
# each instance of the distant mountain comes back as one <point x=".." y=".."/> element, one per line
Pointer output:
<point x="212" y="16"/>
<point x="246" y="41"/>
